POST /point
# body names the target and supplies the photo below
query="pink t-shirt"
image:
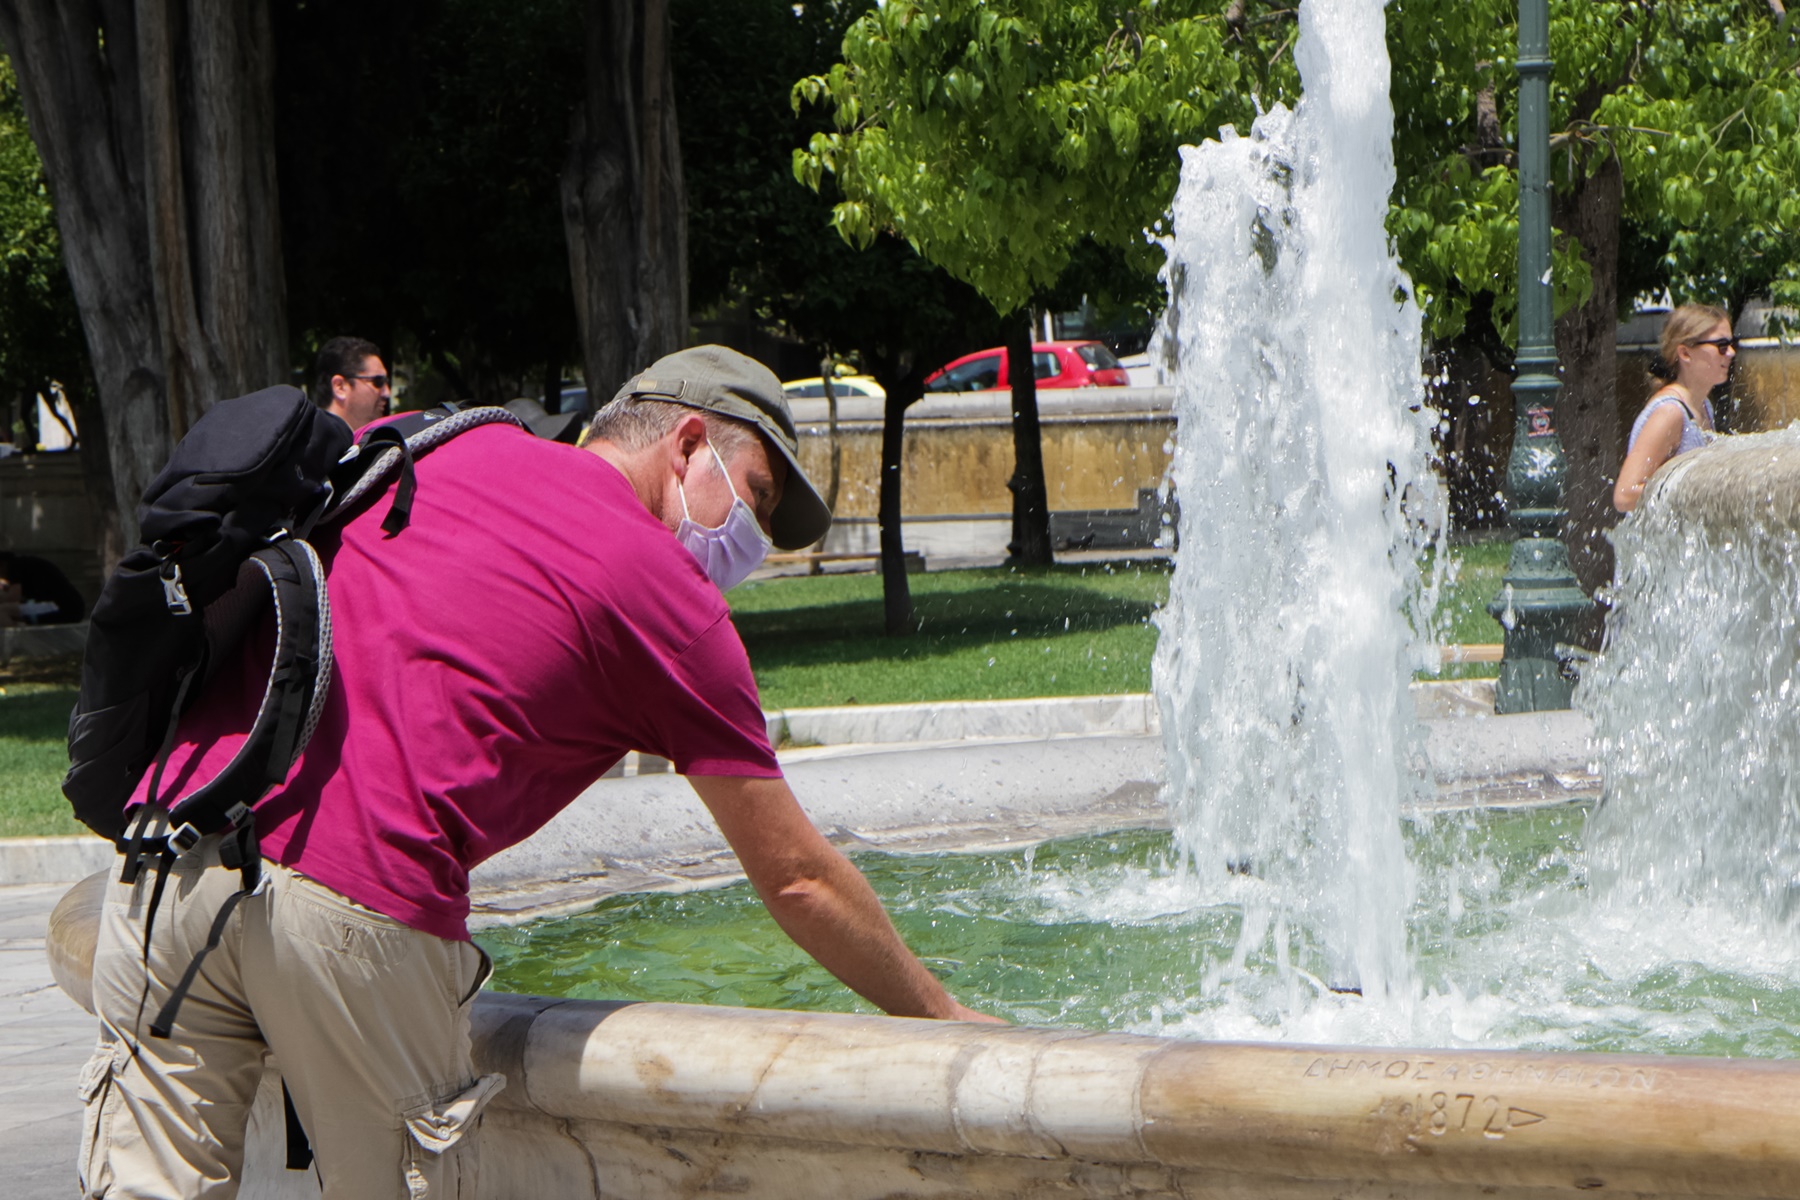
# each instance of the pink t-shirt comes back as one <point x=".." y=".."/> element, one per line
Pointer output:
<point x="531" y="625"/>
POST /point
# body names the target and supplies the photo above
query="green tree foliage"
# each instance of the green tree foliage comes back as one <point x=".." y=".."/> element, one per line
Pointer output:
<point x="40" y="329"/>
<point x="997" y="135"/>
<point x="1697" y="102"/>
<point x="756" y="239"/>
<point x="1674" y="167"/>
<point x="993" y="134"/>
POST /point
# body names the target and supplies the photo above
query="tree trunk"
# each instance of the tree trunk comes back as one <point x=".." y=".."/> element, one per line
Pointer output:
<point x="896" y="592"/>
<point x="827" y="373"/>
<point x="155" y="124"/>
<point x="624" y="205"/>
<point x="107" y="530"/>
<point x="1587" y="345"/>
<point x="1030" y="545"/>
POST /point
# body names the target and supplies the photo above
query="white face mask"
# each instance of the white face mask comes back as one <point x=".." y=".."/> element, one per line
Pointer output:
<point x="728" y="552"/>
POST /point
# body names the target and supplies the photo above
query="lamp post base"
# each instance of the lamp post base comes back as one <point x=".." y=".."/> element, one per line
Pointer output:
<point x="1532" y="685"/>
<point x="1540" y="607"/>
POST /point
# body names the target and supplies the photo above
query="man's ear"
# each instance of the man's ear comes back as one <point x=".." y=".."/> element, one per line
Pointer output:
<point x="690" y="436"/>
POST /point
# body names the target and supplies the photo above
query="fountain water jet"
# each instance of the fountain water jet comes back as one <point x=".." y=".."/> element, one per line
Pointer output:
<point x="1306" y="498"/>
<point x="1693" y="699"/>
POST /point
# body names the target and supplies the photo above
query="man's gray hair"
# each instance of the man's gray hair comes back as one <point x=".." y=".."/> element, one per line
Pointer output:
<point x="632" y="423"/>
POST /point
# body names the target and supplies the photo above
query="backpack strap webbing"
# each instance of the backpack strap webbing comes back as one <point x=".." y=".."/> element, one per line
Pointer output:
<point x="237" y="850"/>
<point x="400" y="508"/>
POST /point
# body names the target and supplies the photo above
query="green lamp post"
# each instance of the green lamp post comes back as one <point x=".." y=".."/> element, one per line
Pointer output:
<point x="1539" y="602"/>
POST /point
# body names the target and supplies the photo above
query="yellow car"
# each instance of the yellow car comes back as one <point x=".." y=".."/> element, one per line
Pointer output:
<point x="844" y="385"/>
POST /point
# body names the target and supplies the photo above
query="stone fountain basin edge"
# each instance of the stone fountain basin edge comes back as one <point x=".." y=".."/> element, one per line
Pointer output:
<point x="660" y="1100"/>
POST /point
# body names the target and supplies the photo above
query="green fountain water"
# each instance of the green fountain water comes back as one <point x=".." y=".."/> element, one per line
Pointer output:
<point x="1110" y="932"/>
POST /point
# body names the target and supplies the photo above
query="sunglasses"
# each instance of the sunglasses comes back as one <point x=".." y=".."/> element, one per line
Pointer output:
<point x="375" y="381"/>
<point x="1719" y="344"/>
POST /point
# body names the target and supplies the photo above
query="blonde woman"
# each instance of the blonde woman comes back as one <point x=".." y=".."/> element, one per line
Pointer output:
<point x="1696" y="355"/>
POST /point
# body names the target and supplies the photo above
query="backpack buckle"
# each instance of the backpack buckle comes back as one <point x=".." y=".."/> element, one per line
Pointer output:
<point x="175" y="592"/>
<point x="185" y="838"/>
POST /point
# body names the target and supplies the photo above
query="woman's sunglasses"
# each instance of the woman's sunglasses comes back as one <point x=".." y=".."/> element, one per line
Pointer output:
<point x="1719" y="344"/>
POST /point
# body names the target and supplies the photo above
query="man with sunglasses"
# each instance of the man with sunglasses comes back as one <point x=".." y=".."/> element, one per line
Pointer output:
<point x="350" y="381"/>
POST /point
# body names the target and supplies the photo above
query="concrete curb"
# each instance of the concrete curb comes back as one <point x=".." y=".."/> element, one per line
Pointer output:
<point x="41" y="641"/>
<point x="1125" y="713"/>
<point x="945" y="721"/>
<point x="52" y="859"/>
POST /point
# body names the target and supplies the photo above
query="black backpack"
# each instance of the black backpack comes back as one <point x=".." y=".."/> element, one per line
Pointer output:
<point x="224" y="529"/>
<point x="223" y="536"/>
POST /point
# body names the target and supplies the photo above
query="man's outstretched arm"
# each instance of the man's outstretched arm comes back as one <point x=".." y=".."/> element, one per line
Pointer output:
<point x="820" y="899"/>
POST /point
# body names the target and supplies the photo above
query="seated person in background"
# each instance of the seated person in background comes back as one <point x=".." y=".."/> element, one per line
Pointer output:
<point x="1695" y="357"/>
<point x="44" y="594"/>
<point x="350" y="381"/>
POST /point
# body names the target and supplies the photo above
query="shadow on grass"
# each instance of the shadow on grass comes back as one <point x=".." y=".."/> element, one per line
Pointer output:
<point x="37" y="715"/>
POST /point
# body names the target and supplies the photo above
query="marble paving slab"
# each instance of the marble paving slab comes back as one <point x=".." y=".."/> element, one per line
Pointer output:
<point x="44" y="1040"/>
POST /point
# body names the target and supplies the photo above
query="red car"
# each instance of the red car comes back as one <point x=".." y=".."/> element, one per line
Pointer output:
<point x="1057" y="364"/>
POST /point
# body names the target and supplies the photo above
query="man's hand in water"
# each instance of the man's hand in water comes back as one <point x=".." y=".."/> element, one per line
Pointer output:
<point x="820" y="899"/>
<point x="969" y="1014"/>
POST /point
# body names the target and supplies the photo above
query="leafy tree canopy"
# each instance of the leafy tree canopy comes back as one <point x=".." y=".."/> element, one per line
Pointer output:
<point x="1697" y="100"/>
<point x="995" y="134"/>
<point x="753" y="237"/>
<point x="40" y="329"/>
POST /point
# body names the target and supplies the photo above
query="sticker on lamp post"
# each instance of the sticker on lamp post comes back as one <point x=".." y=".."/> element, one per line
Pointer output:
<point x="1537" y="422"/>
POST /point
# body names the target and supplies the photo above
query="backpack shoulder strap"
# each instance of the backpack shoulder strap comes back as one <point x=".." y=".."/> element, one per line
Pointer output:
<point x="293" y="697"/>
<point x="388" y="450"/>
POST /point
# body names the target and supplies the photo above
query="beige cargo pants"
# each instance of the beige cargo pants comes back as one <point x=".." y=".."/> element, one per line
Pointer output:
<point x="367" y="1019"/>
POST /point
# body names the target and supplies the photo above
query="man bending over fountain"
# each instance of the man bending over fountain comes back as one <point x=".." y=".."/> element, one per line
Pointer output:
<point x="548" y="609"/>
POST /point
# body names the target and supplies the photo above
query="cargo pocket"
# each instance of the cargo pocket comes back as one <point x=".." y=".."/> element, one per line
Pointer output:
<point x="99" y="1101"/>
<point x="484" y="971"/>
<point x="442" y="1152"/>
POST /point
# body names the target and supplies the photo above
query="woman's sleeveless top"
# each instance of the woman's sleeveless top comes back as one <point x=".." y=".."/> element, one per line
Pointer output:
<point x="1692" y="435"/>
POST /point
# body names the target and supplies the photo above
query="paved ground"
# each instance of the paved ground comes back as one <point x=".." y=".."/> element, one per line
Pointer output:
<point x="44" y="1040"/>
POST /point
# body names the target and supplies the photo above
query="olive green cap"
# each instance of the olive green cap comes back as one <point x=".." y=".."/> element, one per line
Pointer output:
<point x="723" y="381"/>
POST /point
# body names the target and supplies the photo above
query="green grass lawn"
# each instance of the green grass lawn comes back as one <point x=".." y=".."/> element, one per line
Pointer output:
<point x="984" y="635"/>
<point x="1462" y="616"/>
<point x="1003" y="634"/>
<point x="994" y="634"/>
<point x="34" y="723"/>
<point x="1462" y="610"/>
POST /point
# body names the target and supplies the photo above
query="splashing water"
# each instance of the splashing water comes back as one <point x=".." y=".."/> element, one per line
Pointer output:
<point x="1693" y="704"/>
<point x="1664" y="923"/>
<point x="1306" y="498"/>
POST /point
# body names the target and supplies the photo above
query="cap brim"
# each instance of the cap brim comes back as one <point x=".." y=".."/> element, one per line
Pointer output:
<point x="555" y="427"/>
<point x="802" y="516"/>
<point x="547" y="425"/>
